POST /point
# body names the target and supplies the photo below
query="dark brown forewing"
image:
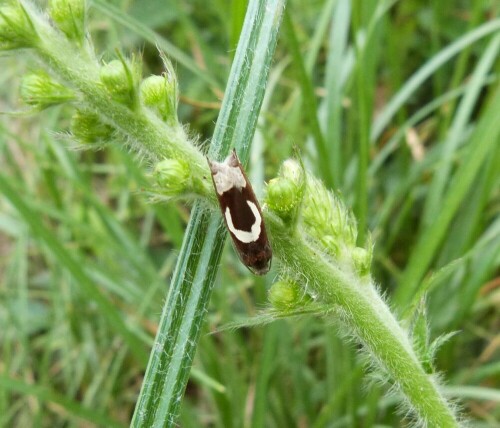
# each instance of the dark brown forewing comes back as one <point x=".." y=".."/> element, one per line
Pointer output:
<point x="241" y="213"/>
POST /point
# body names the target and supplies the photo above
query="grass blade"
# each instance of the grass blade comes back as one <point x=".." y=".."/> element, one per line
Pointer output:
<point x="154" y="38"/>
<point x="483" y="141"/>
<point x="427" y="70"/>
<point x="333" y="82"/>
<point x="66" y="259"/>
<point x="457" y="129"/>
<point x="45" y="395"/>
<point x="191" y="287"/>
<point x="310" y="103"/>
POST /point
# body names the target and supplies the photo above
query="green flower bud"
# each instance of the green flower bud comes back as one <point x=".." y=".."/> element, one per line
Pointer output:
<point x="362" y="260"/>
<point x="323" y="214"/>
<point x="120" y="78"/>
<point x="282" y="196"/>
<point x="39" y="90"/>
<point x="160" y="95"/>
<point x="16" y="27"/>
<point x="89" y="129"/>
<point x="70" y="16"/>
<point x="284" y="193"/>
<point x="173" y="176"/>
<point x="286" y="295"/>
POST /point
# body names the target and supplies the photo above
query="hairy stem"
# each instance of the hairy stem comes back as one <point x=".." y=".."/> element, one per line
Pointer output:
<point x="367" y="315"/>
<point x="141" y="128"/>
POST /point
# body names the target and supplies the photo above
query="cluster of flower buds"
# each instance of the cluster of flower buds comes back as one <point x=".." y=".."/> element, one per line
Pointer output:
<point x="155" y="97"/>
<point x="315" y="214"/>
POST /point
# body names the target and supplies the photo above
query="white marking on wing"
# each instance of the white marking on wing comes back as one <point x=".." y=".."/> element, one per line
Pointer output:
<point x="243" y="235"/>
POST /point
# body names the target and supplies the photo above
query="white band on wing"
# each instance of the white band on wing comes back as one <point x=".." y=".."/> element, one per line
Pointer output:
<point x="242" y="235"/>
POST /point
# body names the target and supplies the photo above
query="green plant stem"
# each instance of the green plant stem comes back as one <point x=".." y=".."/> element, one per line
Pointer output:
<point x="178" y="332"/>
<point x="361" y="308"/>
<point x="140" y="128"/>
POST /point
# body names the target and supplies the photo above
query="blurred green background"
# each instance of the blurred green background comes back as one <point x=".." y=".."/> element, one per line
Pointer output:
<point x="395" y="91"/>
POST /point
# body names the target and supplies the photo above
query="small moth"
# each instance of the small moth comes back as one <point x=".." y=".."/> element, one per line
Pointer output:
<point x="242" y="214"/>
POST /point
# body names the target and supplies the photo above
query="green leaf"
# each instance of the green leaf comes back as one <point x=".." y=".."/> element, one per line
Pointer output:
<point x="482" y="143"/>
<point x="48" y="396"/>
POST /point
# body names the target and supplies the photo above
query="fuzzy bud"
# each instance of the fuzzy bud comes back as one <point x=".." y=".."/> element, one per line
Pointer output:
<point x="362" y="260"/>
<point x="281" y="196"/>
<point x="70" y="16"/>
<point x="172" y="176"/>
<point x="159" y="93"/>
<point x="285" y="193"/>
<point x="89" y="129"/>
<point x="120" y="78"/>
<point x="285" y="295"/>
<point x="327" y="219"/>
<point x="39" y="90"/>
<point x="16" y="27"/>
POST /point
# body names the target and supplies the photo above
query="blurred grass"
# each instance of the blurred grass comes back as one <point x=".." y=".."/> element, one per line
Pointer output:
<point x="401" y="97"/>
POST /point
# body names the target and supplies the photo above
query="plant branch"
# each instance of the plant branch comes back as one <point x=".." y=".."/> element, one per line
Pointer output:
<point x="364" y="312"/>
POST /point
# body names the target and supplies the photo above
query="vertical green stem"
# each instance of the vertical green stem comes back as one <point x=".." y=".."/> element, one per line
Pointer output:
<point x="175" y="344"/>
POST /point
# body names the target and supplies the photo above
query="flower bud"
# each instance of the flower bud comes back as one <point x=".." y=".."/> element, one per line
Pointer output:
<point x="362" y="260"/>
<point x="323" y="214"/>
<point x="284" y="193"/>
<point x="70" y="16"/>
<point x="286" y="295"/>
<point x="120" y="79"/>
<point x="281" y="196"/>
<point x="16" y="27"/>
<point x="173" y="176"/>
<point x="89" y="129"/>
<point x="160" y="95"/>
<point x="39" y="90"/>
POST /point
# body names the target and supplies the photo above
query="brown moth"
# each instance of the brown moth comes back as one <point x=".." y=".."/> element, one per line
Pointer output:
<point x="242" y="214"/>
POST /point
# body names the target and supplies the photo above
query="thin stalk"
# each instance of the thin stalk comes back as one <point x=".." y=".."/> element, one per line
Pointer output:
<point x="333" y="82"/>
<point x="364" y="312"/>
<point x="175" y="344"/>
